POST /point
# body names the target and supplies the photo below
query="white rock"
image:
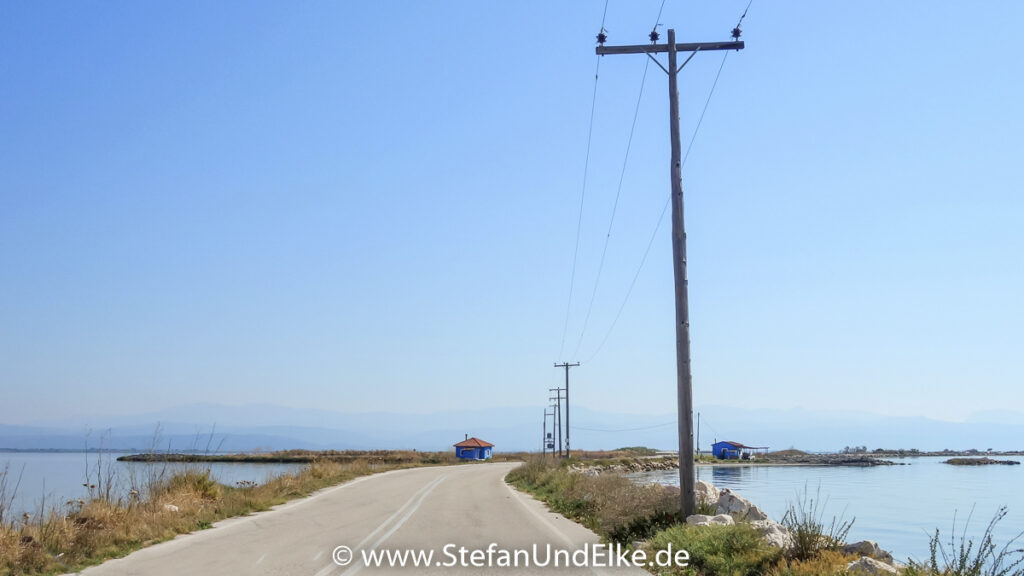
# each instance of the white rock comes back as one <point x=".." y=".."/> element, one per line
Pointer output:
<point x="869" y="566"/>
<point x="723" y="519"/>
<point x="170" y="508"/>
<point x="706" y="492"/>
<point x="698" y="520"/>
<point x="774" y="533"/>
<point x="870" y="549"/>
<point x="741" y="509"/>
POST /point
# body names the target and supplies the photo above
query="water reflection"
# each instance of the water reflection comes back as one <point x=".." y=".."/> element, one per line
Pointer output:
<point x="726" y="476"/>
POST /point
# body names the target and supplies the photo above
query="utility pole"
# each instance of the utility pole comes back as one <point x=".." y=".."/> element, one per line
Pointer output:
<point x="697" y="444"/>
<point x="544" y="435"/>
<point x="566" y="365"/>
<point x="558" y="415"/>
<point x="684" y="384"/>
<point x="548" y="435"/>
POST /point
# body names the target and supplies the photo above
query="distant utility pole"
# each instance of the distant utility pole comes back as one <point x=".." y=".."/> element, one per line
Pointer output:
<point x="548" y="441"/>
<point x="684" y="382"/>
<point x="544" y="435"/>
<point x="698" y="434"/>
<point x="566" y="365"/>
<point x="558" y="415"/>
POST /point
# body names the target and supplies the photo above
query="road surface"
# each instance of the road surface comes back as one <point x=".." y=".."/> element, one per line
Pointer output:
<point x="437" y="510"/>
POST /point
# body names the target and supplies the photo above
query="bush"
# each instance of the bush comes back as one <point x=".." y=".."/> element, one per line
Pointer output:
<point x="826" y="563"/>
<point x="804" y="521"/>
<point x="963" y="559"/>
<point x="735" y="550"/>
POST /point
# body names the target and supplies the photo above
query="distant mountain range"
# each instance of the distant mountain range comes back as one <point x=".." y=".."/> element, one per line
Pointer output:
<point x="266" y="427"/>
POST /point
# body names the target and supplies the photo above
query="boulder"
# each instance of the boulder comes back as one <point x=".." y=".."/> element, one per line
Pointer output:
<point x="869" y="566"/>
<point x="699" y="520"/>
<point x="723" y="519"/>
<point x="741" y="509"/>
<point x="774" y="533"/>
<point x="706" y="492"/>
<point x="869" y="549"/>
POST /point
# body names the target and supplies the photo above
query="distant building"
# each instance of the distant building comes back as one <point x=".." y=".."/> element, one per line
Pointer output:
<point x="473" y="449"/>
<point x="726" y="450"/>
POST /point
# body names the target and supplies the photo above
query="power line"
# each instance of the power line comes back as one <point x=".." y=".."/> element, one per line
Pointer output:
<point x="668" y="200"/>
<point x="672" y="423"/>
<point x="615" y="207"/>
<point x="618" y="191"/>
<point x="583" y="192"/>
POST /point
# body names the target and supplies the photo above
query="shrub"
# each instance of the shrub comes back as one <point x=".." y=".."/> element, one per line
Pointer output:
<point x="963" y="559"/>
<point x="735" y="550"/>
<point x="804" y="521"/>
<point x="826" y="563"/>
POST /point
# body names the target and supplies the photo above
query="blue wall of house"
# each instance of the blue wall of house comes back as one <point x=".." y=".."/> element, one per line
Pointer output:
<point x="725" y="451"/>
<point x="473" y="453"/>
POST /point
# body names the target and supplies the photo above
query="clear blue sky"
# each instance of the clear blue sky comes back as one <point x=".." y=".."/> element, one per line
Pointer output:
<point x="372" y="206"/>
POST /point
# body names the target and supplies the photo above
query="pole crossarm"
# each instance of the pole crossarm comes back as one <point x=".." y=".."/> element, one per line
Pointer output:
<point x="658" y="48"/>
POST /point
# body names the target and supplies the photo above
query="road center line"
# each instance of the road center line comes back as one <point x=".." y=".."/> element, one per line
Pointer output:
<point x="355" y="568"/>
<point x="421" y="493"/>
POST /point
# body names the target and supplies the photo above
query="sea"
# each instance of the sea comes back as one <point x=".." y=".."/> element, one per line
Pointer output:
<point x="900" y="507"/>
<point x="38" y="481"/>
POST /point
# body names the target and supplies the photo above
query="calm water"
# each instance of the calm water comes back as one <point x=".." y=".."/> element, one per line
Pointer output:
<point x="58" y="477"/>
<point x="897" y="506"/>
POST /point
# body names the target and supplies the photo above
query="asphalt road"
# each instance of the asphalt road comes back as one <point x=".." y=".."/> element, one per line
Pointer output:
<point x="431" y="510"/>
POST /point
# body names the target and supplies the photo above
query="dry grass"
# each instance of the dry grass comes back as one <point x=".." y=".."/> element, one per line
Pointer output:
<point x="613" y="506"/>
<point x="86" y="532"/>
<point x="826" y="563"/>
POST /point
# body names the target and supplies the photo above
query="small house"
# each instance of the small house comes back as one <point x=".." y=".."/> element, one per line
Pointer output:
<point x="726" y="450"/>
<point x="473" y="449"/>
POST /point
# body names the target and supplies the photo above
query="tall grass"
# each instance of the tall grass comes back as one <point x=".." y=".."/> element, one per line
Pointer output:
<point x="804" y="519"/>
<point x="7" y="493"/>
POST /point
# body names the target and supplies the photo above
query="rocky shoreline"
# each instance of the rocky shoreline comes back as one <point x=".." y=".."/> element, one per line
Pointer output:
<point x="731" y="508"/>
<point x="979" y="462"/>
<point x="637" y="465"/>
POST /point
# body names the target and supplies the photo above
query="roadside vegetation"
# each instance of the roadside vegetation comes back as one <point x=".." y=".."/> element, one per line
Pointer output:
<point x="157" y="503"/>
<point x="610" y="504"/>
<point x="647" y="516"/>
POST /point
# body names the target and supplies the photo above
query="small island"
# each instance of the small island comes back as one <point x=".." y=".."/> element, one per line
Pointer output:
<point x="979" y="462"/>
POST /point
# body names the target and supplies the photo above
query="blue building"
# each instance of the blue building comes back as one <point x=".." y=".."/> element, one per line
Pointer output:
<point x="473" y="449"/>
<point x="726" y="450"/>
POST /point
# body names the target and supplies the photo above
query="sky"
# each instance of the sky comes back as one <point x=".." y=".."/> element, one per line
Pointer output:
<point x="367" y="206"/>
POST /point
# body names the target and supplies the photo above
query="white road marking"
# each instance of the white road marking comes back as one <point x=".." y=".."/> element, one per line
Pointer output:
<point x="397" y="525"/>
<point x="521" y="498"/>
<point x="421" y="494"/>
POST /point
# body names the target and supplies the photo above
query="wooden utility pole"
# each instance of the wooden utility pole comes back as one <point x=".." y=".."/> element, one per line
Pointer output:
<point x="549" y="434"/>
<point x="697" y="444"/>
<point x="566" y="365"/>
<point x="544" y="435"/>
<point x="558" y="415"/>
<point x="684" y="384"/>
